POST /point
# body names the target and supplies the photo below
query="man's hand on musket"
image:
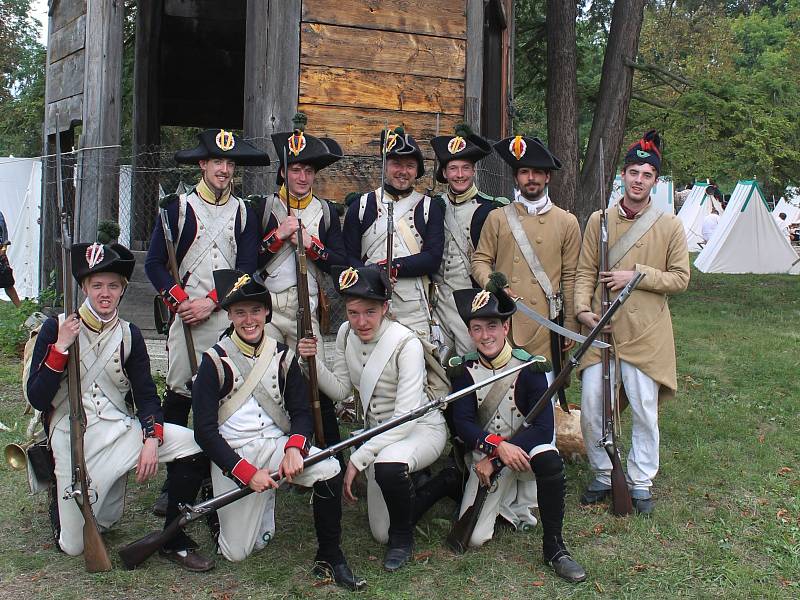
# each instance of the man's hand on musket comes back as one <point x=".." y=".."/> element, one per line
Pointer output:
<point x="514" y="457"/>
<point x="347" y="488"/>
<point x="307" y="347"/>
<point x="196" y="311"/>
<point x="291" y="465"/>
<point x="484" y="469"/>
<point x="567" y="344"/>
<point x="288" y="231"/>
<point x="67" y="332"/>
<point x="590" y="320"/>
<point x="147" y="466"/>
<point x="261" y="481"/>
<point x="616" y="280"/>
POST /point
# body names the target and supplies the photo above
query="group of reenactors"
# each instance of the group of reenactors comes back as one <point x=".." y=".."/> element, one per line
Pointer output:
<point x="238" y="295"/>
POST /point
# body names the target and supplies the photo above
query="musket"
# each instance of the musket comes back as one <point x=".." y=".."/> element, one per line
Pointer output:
<point x="172" y="265"/>
<point x="95" y="554"/>
<point x="461" y="532"/>
<point x="621" y="503"/>
<point x="389" y="210"/>
<point x="137" y="552"/>
<point x="304" y="327"/>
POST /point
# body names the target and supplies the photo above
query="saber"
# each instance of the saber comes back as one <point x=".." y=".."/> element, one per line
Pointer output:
<point x="547" y="323"/>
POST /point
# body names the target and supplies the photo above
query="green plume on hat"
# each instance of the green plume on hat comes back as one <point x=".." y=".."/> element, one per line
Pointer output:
<point x="463" y="130"/>
<point x="400" y="130"/>
<point x="497" y="283"/>
<point x="299" y="121"/>
<point x="107" y="232"/>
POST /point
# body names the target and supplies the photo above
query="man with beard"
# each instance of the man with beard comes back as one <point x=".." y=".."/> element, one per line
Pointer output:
<point x="418" y="231"/>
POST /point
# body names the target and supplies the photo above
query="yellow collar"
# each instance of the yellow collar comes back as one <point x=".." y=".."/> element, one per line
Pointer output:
<point x="499" y="361"/>
<point x="296" y="203"/>
<point x="248" y="349"/>
<point x="208" y="195"/>
<point x="93" y="321"/>
<point x="463" y="197"/>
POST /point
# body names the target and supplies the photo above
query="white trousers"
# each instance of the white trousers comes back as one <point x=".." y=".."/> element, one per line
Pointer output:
<point x="112" y="449"/>
<point x="454" y="330"/>
<point x="642" y="393"/>
<point x="411" y="313"/>
<point x="420" y="449"/>
<point x="249" y="523"/>
<point x="204" y="335"/>
<point x="283" y="323"/>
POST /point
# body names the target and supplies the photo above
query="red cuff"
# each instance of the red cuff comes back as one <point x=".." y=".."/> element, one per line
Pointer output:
<point x="272" y="242"/>
<point x="489" y="444"/>
<point x="243" y="471"/>
<point x="151" y="429"/>
<point x="317" y="250"/>
<point x="55" y="360"/>
<point x="213" y="295"/>
<point x="159" y="433"/>
<point x="300" y="442"/>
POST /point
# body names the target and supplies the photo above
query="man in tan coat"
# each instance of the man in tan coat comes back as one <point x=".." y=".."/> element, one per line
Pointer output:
<point x="640" y="238"/>
<point x="536" y="244"/>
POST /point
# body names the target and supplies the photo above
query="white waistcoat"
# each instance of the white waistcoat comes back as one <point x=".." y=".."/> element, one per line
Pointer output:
<point x="506" y="419"/>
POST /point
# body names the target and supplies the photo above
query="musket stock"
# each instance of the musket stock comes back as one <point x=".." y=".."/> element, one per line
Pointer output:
<point x="138" y="551"/>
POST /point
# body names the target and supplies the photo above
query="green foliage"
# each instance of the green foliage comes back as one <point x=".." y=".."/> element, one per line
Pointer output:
<point x="13" y="333"/>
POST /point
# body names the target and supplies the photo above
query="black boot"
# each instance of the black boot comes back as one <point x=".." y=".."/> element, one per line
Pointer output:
<point x="447" y="483"/>
<point x="176" y="409"/>
<point x="550" y="484"/>
<point x="398" y="493"/>
<point x="330" y="561"/>
<point x="330" y="427"/>
<point x="185" y="476"/>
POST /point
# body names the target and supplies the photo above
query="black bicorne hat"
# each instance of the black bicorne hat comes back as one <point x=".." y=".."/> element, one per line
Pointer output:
<point x="90" y="259"/>
<point x="304" y="148"/>
<point x="401" y="145"/>
<point x="219" y="143"/>
<point x="520" y="151"/>
<point x="490" y="303"/>
<point x="463" y="145"/>
<point x="235" y="286"/>
<point x="370" y="282"/>
<point x="647" y="150"/>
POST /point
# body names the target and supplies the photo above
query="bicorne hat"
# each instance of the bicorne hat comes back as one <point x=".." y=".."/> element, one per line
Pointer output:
<point x="90" y="259"/>
<point x="490" y="303"/>
<point x="463" y="145"/>
<point x="370" y="283"/>
<point x="647" y="150"/>
<point x="219" y="143"/>
<point x="303" y="148"/>
<point x="401" y="145"/>
<point x="235" y="286"/>
<point x="520" y="151"/>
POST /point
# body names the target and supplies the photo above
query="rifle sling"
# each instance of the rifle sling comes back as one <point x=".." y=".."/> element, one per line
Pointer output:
<point x="626" y="241"/>
<point x="495" y="395"/>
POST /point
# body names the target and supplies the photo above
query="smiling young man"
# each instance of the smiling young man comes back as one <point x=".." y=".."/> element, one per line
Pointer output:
<point x="466" y="209"/>
<point x="115" y="369"/>
<point x="322" y="238"/>
<point x="212" y="229"/>
<point x="640" y="238"/>
<point x="418" y="231"/>
<point x="486" y="420"/>
<point x="384" y="362"/>
<point x="252" y="417"/>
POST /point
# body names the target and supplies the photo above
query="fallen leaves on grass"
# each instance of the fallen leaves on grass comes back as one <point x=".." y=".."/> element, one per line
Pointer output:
<point x="599" y="587"/>
<point x="783" y="471"/>
<point x="372" y="557"/>
<point x="638" y="567"/>
<point x="538" y="583"/>
<point x="761" y="438"/>
<point x="783" y="516"/>
<point x="785" y="582"/>
<point x="598" y="529"/>
<point x="423" y="556"/>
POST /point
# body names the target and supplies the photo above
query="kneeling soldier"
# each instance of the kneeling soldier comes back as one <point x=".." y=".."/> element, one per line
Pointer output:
<point x="117" y="387"/>
<point x="252" y="417"/>
<point x="384" y="361"/>
<point x="485" y="419"/>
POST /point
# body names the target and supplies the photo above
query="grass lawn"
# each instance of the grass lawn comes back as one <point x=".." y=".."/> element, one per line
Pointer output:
<point x="727" y="521"/>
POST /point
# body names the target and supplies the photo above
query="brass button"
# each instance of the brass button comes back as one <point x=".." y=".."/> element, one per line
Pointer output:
<point x="538" y="240"/>
<point x="541" y="220"/>
<point x="516" y="259"/>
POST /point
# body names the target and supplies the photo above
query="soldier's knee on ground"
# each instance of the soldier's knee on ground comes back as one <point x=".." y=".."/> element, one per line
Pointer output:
<point x="548" y="466"/>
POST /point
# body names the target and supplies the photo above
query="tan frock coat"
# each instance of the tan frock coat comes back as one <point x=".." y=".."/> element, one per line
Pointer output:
<point x="642" y="327"/>
<point x="556" y="239"/>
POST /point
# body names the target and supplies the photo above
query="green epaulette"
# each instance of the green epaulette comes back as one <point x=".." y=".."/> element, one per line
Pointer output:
<point x="455" y="365"/>
<point x="352" y="197"/>
<point x="521" y="354"/>
<point x="501" y="201"/>
<point x="537" y="362"/>
<point x="167" y="200"/>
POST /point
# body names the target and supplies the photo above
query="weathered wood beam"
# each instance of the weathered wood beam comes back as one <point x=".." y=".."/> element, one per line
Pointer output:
<point x="256" y="84"/>
<point x="473" y="77"/>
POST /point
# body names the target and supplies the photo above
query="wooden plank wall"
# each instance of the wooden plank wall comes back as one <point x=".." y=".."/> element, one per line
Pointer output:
<point x="66" y="65"/>
<point x="364" y="63"/>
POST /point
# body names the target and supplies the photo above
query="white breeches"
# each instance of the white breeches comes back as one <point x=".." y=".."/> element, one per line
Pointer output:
<point x="283" y="324"/>
<point x="642" y="393"/>
<point x="411" y="313"/>
<point x="111" y="449"/>
<point x="249" y="523"/>
<point x="420" y="449"/>
<point x="453" y="328"/>
<point x="204" y="335"/>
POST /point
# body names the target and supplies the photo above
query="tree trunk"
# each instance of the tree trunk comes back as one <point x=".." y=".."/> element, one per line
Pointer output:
<point x="611" y="114"/>
<point x="562" y="101"/>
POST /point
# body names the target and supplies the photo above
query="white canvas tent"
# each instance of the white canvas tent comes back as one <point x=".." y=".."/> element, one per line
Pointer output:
<point x="792" y="211"/>
<point x="696" y="208"/>
<point x="20" y="203"/>
<point x="662" y="194"/>
<point x="747" y="239"/>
